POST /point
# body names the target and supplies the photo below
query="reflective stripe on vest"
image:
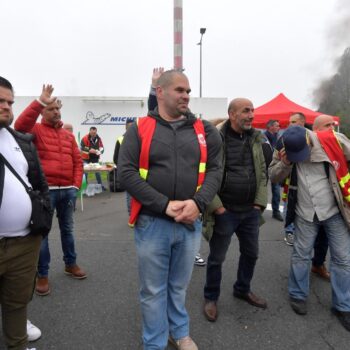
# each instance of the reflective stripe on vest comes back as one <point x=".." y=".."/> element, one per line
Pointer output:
<point x="285" y="189"/>
<point x="333" y="149"/>
<point x="146" y="127"/>
<point x="120" y="139"/>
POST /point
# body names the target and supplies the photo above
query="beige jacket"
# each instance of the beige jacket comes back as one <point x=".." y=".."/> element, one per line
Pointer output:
<point x="279" y="171"/>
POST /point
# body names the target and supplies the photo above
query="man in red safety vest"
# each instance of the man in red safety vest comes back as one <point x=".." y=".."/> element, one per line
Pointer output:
<point x="170" y="163"/>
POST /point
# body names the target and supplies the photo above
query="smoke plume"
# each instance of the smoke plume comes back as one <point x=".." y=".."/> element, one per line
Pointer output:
<point x="337" y="44"/>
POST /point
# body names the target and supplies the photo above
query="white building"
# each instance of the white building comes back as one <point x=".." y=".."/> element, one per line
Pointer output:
<point x="109" y="114"/>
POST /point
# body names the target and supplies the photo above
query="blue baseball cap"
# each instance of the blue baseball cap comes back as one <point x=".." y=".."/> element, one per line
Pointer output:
<point x="295" y="143"/>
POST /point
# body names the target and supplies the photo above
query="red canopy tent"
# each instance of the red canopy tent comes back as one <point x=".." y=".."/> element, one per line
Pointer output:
<point x="281" y="108"/>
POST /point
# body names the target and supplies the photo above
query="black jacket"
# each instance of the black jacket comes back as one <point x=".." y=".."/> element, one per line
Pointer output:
<point x="173" y="170"/>
<point x="36" y="176"/>
<point x="239" y="186"/>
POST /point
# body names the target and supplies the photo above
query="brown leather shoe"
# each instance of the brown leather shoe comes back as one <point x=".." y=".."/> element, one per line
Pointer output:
<point x="251" y="299"/>
<point x="321" y="271"/>
<point x="75" y="271"/>
<point x="42" y="287"/>
<point x="210" y="310"/>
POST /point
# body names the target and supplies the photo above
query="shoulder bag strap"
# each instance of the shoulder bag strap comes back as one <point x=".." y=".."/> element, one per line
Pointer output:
<point x="28" y="189"/>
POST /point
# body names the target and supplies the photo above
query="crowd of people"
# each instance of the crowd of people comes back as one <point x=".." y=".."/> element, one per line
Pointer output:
<point x="183" y="177"/>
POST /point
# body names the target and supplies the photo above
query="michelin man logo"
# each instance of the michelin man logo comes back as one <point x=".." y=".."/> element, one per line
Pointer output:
<point x="90" y="118"/>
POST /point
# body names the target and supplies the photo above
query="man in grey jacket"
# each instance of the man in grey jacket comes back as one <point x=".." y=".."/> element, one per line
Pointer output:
<point x="172" y="193"/>
<point x="315" y="199"/>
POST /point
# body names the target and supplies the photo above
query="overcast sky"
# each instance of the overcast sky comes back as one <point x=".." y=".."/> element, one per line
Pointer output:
<point x="252" y="48"/>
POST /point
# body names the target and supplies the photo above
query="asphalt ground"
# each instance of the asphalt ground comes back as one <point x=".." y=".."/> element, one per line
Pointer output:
<point x="102" y="312"/>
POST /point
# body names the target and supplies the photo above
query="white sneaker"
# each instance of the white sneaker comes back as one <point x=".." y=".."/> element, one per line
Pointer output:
<point x="31" y="349"/>
<point x="199" y="261"/>
<point x="289" y="238"/>
<point x="34" y="333"/>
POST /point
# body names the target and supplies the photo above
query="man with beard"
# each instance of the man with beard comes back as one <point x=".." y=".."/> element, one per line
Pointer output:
<point x="19" y="248"/>
<point x="240" y="201"/>
<point x="63" y="168"/>
<point x="170" y="163"/>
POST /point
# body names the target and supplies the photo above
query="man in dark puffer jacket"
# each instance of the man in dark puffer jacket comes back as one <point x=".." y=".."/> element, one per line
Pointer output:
<point x="240" y="201"/>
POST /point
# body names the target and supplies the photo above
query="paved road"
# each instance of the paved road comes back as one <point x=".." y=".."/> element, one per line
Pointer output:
<point x="102" y="312"/>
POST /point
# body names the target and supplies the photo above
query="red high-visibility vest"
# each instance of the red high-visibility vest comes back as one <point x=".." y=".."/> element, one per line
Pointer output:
<point x="285" y="189"/>
<point x="146" y="127"/>
<point x="333" y="149"/>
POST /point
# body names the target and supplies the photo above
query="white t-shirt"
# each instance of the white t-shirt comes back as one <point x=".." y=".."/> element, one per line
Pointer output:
<point x="16" y="206"/>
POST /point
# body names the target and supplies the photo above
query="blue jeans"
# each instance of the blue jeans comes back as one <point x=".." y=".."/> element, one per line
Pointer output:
<point x="276" y="197"/>
<point x="63" y="201"/>
<point x="339" y="245"/>
<point x="246" y="227"/>
<point x="166" y="251"/>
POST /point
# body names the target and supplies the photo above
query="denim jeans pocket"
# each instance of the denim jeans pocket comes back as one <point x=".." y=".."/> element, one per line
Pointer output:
<point x="72" y="193"/>
<point x="144" y="222"/>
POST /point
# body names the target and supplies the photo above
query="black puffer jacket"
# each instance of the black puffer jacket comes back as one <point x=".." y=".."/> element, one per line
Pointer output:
<point x="239" y="183"/>
<point x="36" y="176"/>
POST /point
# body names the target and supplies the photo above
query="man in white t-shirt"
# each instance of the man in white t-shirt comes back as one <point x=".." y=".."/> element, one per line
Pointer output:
<point x="19" y="248"/>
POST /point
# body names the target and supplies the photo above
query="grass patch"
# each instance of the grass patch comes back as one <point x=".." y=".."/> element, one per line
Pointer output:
<point x="91" y="177"/>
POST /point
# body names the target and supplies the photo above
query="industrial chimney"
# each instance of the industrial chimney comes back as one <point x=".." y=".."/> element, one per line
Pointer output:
<point x="178" y="35"/>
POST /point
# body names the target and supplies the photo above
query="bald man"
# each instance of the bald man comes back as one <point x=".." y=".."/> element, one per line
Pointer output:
<point x="323" y="122"/>
<point x="180" y="151"/>
<point x="68" y="127"/>
<point x="239" y="204"/>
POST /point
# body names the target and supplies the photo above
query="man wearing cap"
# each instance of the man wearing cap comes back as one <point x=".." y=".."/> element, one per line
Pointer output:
<point x="315" y="199"/>
<point x="322" y="122"/>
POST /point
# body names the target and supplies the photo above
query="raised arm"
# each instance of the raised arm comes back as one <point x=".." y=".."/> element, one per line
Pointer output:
<point x="152" y="99"/>
<point x="27" y="119"/>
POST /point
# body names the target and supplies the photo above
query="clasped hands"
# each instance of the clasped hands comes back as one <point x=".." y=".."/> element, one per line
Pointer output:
<point x="183" y="211"/>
